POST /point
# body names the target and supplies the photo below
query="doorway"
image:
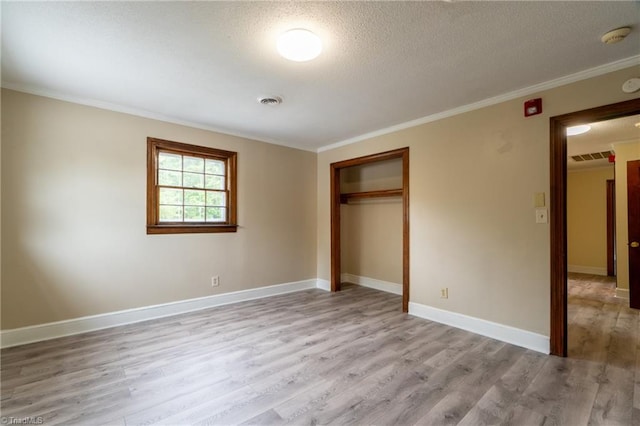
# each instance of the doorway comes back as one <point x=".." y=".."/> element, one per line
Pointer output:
<point x="337" y="197"/>
<point x="558" y="210"/>
<point x="611" y="228"/>
<point x="633" y="202"/>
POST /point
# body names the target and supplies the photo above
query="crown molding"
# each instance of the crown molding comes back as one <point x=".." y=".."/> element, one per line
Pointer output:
<point x="562" y="81"/>
<point x="582" y="75"/>
<point x="32" y="90"/>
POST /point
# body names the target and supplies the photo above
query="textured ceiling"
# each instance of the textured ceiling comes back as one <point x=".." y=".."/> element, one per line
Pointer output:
<point x="600" y="138"/>
<point x="383" y="63"/>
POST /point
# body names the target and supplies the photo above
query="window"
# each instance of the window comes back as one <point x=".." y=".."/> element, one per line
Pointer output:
<point x="190" y="188"/>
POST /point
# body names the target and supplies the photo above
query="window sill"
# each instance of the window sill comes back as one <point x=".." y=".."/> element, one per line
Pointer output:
<point x="190" y="229"/>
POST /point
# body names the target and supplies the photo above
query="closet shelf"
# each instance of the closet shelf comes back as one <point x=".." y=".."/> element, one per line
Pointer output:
<point x="344" y="198"/>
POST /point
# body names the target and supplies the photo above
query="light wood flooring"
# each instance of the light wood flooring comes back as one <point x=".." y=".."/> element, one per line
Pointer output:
<point x="313" y="358"/>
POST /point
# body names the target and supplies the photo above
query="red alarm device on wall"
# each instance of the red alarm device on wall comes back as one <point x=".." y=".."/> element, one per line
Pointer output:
<point x="533" y="107"/>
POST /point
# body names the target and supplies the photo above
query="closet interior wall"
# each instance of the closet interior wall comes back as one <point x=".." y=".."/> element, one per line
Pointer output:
<point x="371" y="228"/>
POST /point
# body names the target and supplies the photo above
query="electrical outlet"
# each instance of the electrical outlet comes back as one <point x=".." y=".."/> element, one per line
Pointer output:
<point x="215" y="281"/>
<point x="444" y="293"/>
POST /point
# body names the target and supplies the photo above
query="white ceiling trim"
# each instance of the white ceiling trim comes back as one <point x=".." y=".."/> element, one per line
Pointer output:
<point x="134" y="111"/>
<point x="582" y="75"/>
<point x="572" y="78"/>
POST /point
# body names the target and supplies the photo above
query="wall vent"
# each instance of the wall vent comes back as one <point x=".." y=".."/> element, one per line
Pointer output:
<point x="276" y="100"/>
<point x="592" y="156"/>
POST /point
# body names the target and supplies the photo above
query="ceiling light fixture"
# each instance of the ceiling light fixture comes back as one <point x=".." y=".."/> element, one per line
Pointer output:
<point x="616" y="35"/>
<point x="578" y="130"/>
<point x="637" y="124"/>
<point x="299" y="45"/>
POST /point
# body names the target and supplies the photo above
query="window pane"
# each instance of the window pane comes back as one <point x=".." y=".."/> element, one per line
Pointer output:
<point x="214" y="167"/>
<point x="193" y="214"/>
<point x="193" y="198"/>
<point x="169" y="161"/>
<point x="215" y="198"/>
<point x="193" y="180"/>
<point x="216" y="214"/>
<point x="193" y="164"/>
<point x="167" y="178"/>
<point x="214" y="182"/>
<point x="170" y="213"/>
<point x="171" y="196"/>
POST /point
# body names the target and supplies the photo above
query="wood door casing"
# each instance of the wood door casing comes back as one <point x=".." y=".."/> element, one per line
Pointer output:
<point x="611" y="227"/>
<point x="336" y="267"/>
<point x="558" y="208"/>
<point x="633" y="218"/>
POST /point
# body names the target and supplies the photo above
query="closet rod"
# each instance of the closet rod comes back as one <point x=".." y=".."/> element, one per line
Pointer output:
<point x="344" y="198"/>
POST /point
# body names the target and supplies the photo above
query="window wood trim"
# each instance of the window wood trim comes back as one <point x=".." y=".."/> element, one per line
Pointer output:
<point x="154" y="145"/>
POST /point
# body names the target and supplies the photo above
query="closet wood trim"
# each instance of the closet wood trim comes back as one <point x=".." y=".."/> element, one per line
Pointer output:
<point x="344" y="198"/>
<point x="336" y="167"/>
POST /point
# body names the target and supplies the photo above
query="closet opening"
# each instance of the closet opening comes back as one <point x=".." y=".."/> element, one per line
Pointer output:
<point x="344" y="188"/>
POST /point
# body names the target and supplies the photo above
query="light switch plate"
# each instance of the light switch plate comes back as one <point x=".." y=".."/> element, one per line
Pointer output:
<point x="539" y="199"/>
<point x="541" y="216"/>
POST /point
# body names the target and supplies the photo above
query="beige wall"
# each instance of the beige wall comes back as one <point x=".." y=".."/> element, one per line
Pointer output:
<point x="371" y="238"/>
<point x="587" y="219"/>
<point x="624" y="152"/>
<point x="473" y="227"/>
<point x="371" y="233"/>
<point x="73" y="196"/>
<point x="0" y="217"/>
<point x="372" y="177"/>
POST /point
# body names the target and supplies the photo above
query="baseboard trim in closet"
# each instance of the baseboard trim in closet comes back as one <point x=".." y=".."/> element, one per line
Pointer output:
<point x="385" y="286"/>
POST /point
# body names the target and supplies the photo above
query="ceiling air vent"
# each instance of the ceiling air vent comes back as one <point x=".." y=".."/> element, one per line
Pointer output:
<point x="592" y="156"/>
<point x="270" y="100"/>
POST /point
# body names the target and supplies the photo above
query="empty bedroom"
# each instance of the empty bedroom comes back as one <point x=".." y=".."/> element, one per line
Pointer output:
<point x="364" y="213"/>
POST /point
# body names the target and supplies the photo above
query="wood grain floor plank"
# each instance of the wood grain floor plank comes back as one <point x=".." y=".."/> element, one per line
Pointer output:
<point x="343" y="406"/>
<point x="614" y="400"/>
<point x="521" y="416"/>
<point x="470" y="375"/>
<point x="269" y="417"/>
<point x="312" y="357"/>
<point x="499" y="403"/>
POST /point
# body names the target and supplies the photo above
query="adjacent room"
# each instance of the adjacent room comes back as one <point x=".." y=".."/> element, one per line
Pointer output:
<point x="598" y="280"/>
<point x="362" y="213"/>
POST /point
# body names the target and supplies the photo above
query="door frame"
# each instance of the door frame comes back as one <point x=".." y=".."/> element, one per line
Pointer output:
<point x="633" y="216"/>
<point x="611" y="227"/>
<point x="336" y="267"/>
<point x="558" y="210"/>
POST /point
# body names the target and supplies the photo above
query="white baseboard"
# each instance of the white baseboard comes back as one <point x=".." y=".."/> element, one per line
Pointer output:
<point x="592" y="270"/>
<point x="387" y="286"/>
<point x="36" y="333"/>
<point x="622" y="293"/>
<point x="504" y="333"/>
<point x="324" y="284"/>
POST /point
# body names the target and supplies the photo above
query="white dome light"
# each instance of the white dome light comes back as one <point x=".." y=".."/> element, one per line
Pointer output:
<point x="299" y="45"/>
<point x="578" y="130"/>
